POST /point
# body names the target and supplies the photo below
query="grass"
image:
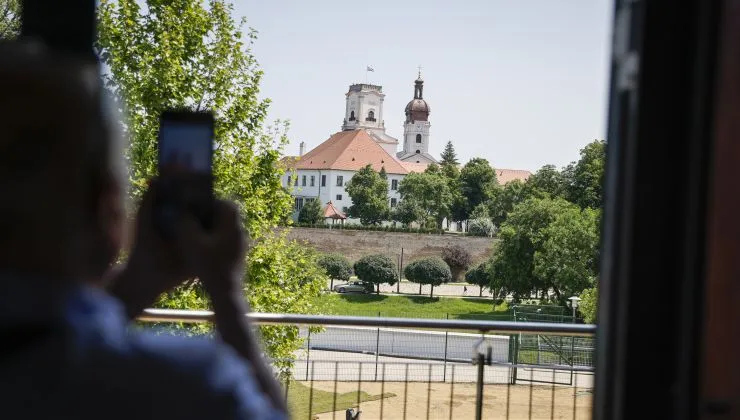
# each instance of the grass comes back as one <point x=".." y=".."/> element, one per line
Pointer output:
<point x="299" y="397"/>
<point x="411" y="306"/>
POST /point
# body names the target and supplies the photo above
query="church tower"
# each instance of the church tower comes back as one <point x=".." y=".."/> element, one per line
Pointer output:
<point x="416" y="128"/>
<point x="364" y="107"/>
<point x="364" y="110"/>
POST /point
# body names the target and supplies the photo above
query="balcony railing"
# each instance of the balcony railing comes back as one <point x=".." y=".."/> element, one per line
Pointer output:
<point x="399" y="368"/>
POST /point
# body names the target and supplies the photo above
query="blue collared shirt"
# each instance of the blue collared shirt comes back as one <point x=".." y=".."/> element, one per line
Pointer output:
<point x="70" y="355"/>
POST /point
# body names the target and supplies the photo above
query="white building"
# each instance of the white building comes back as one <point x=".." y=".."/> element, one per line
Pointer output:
<point x="323" y="172"/>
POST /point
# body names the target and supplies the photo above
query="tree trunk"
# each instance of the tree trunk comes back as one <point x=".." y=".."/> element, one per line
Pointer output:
<point x="377" y="290"/>
<point x="419" y="288"/>
<point x="480" y="290"/>
<point x="331" y="284"/>
<point x="431" y="290"/>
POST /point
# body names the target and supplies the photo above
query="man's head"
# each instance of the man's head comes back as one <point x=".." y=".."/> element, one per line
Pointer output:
<point x="61" y="170"/>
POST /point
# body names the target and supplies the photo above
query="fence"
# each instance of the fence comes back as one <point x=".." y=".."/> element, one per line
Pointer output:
<point x="395" y="385"/>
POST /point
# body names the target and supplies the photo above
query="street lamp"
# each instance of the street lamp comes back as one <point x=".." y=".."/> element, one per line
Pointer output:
<point x="574" y="304"/>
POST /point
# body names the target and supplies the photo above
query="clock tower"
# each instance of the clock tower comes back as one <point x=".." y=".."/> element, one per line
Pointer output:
<point x="416" y="128"/>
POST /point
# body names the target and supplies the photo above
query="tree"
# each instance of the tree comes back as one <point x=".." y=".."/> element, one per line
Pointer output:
<point x="504" y="199"/>
<point x="182" y="54"/>
<point x="458" y="259"/>
<point x="477" y="182"/>
<point x="337" y="266"/>
<point x="432" y="271"/>
<point x="377" y="269"/>
<point x="482" y="276"/>
<point x="407" y="212"/>
<point x="588" y="306"/>
<point x="585" y="178"/>
<point x="569" y="254"/>
<point x="547" y="244"/>
<point x="520" y="237"/>
<point x="10" y="19"/>
<point x="369" y="193"/>
<point x="449" y="157"/>
<point x="481" y="227"/>
<point x="311" y="213"/>
<point x="548" y="180"/>
<point x="429" y="194"/>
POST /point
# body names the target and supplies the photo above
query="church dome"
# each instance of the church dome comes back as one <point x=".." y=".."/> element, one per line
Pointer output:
<point x="417" y="109"/>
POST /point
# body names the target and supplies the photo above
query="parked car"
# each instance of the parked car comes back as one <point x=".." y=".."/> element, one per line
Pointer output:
<point x="358" y="286"/>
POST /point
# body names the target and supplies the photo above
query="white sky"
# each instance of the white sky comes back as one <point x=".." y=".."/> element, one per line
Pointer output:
<point x="521" y="83"/>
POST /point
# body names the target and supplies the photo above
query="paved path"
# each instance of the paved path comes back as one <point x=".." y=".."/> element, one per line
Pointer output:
<point x="448" y="290"/>
<point x="342" y="366"/>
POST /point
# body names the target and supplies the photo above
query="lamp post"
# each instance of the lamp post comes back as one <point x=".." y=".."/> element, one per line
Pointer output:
<point x="574" y="304"/>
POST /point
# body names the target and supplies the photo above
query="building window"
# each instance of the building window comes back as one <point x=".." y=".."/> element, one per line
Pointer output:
<point x="418" y="151"/>
<point x="298" y="203"/>
<point x="370" y="116"/>
<point x="394" y="184"/>
<point x="313" y="181"/>
<point x="295" y="183"/>
<point x="352" y="116"/>
<point x="339" y="197"/>
<point x="323" y="180"/>
<point x="394" y="202"/>
<point x="418" y="138"/>
<point x="290" y="178"/>
<point x="340" y="181"/>
<point x="345" y="210"/>
<point x="303" y="181"/>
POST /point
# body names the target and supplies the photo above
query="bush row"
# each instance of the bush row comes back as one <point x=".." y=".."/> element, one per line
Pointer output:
<point x="398" y="229"/>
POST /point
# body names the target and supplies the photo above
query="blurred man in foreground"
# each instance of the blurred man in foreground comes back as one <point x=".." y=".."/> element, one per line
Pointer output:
<point x="66" y="350"/>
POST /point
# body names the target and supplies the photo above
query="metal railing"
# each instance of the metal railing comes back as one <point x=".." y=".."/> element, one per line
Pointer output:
<point x="335" y="373"/>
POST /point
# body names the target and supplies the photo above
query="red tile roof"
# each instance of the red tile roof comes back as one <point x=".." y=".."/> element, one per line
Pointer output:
<point x="350" y="151"/>
<point x="415" y="167"/>
<point x="504" y="176"/>
<point x="332" y="212"/>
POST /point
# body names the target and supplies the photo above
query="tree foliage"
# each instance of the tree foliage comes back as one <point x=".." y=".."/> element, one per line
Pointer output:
<point x="428" y="194"/>
<point x="523" y="235"/>
<point x="337" y="267"/>
<point x="181" y="54"/>
<point x="588" y="306"/>
<point x="482" y="275"/>
<point x="10" y="19"/>
<point x="585" y="178"/>
<point x="477" y="183"/>
<point x="449" y="157"/>
<point x="504" y="198"/>
<point x="458" y="259"/>
<point x="432" y="271"/>
<point x="568" y="255"/>
<point x="482" y="226"/>
<point x="548" y="180"/>
<point x="311" y="213"/>
<point x="377" y="269"/>
<point x="369" y="193"/>
<point x="407" y="212"/>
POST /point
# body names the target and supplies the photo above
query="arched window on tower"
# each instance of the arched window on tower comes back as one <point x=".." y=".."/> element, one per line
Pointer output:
<point x="352" y="116"/>
<point x="418" y="138"/>
<point x="370" y="116"/>
<point x="418" y="151"/>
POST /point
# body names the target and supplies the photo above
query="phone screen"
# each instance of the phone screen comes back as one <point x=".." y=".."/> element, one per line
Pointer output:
<point x="185" y="160"/>
<point x="185" y="147"/>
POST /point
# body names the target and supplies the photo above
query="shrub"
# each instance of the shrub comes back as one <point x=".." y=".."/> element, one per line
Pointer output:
<point x="432" y="271"/>
<point x="311" y="213"/>
<point x="481" y="227"/>
<point x="337" y="266"/>
<point x="459" y="260"/>
<point x="588" y="306"/>
<point x="377" y="269"/>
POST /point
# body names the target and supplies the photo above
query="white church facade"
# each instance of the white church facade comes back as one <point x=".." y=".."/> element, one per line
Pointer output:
<point x="323" y="172"/>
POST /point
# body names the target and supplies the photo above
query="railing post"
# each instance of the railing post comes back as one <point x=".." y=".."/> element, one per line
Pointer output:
<point x="481" y="359"/>
<point x="377" y="351"/>
<point x="308" y="351"/>
<point x="444" y="370"/>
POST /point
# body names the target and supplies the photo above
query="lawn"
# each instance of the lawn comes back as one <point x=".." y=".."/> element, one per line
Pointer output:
<point x="411" y="307"/>
<point x="300" y="397"/>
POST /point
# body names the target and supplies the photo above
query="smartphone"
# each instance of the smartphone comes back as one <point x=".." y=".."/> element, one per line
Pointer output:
<point x="185" y="163"/>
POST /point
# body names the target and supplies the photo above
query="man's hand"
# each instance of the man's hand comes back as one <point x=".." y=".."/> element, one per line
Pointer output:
<point x="154" y="265"/>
